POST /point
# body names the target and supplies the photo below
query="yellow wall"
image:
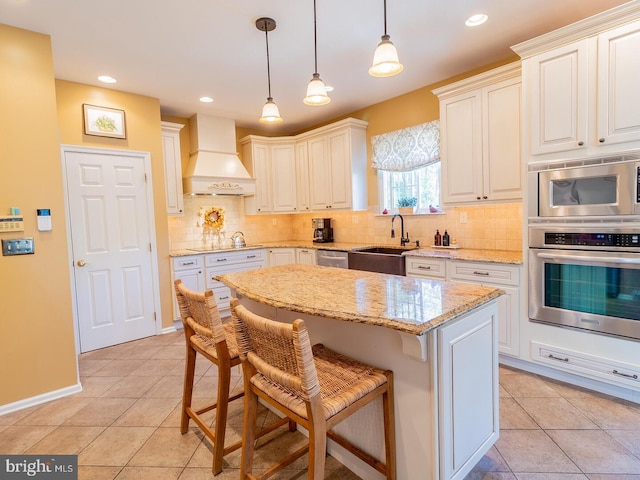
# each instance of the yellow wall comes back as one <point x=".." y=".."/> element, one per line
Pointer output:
<point x="143" y="129"/>
<point x="37" y="350"/>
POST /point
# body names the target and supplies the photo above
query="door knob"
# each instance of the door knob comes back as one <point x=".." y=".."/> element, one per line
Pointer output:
<point x="81" y="263"/>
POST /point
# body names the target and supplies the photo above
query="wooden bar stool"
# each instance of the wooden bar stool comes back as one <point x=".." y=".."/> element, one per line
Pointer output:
<point x="206" y="334"/>
<point x="315" y="386"/>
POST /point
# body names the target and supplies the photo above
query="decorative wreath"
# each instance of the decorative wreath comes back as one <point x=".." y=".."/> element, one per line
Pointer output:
<point x="213" y="217"/>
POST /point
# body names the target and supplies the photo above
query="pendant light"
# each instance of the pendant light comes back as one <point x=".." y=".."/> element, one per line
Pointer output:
<point x="316" y="90"/>
<point x="385" y="58"/>
<point x="270" y="112"/>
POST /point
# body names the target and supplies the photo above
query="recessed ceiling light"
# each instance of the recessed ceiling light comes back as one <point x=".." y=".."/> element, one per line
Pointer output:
<point x="107" y="79"/>
<point x="475" y="20"/>
<point x="206" y="99"/>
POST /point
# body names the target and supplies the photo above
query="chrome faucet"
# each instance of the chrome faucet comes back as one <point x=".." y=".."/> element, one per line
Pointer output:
<point x="403" y="240"/>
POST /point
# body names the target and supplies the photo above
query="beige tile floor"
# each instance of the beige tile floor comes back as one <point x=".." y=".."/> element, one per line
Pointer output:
<point x="124" y="425"/>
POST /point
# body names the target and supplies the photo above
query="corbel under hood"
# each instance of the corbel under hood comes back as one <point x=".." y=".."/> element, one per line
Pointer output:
<point x="214" y="167"/>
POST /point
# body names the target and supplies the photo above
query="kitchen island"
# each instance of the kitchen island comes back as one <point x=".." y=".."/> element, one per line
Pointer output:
<point x="439" y="338"/>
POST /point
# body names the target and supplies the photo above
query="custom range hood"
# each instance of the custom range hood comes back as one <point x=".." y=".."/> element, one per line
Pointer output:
<point x="214" y="167"/>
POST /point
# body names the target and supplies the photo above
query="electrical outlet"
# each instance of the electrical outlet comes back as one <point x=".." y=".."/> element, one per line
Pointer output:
<point x="354" y="219"/>
<point x="274" y="222"/>
<point x="463" y="217"/>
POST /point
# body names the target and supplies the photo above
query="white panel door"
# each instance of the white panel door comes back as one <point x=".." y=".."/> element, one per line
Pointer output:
<point x="283" y="177"/>
<point x="110" y="233"/>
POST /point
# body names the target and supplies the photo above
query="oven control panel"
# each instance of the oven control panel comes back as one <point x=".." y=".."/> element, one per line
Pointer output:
<point x="593" y="239"/>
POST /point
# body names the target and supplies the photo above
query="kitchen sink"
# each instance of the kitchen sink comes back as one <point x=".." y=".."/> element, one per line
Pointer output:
<point x="379" y="259"/>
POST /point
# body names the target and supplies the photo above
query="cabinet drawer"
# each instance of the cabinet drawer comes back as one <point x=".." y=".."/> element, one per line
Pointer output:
<point x="425" y="267"/>
<point x="223" y="297"/>
<point x="483" y="273"/>
<point x="591" y="366"/>
<point x="211" y="273"/>
<point x="187" y="263"/>
<point x="220" y="260"/>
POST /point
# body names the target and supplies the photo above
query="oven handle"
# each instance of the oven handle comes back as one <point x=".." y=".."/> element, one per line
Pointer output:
<point x="586" y="258"/>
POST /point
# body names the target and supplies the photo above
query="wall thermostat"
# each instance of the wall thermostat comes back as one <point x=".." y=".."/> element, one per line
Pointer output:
<point x="44" y="219"/>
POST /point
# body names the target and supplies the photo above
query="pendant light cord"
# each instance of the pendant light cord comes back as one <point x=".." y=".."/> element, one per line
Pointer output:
<point x="385" y="17"/>
<point x="315" y="38"/>
<point x="266" y="37"/>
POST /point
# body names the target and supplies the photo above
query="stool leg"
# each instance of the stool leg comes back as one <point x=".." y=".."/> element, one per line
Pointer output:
<point x="389" y="428"/>
<point x="187" y="392"/>
<point x="248" y="431"/>
<point x="317" y="439"/>
<point x="224" y="382"/>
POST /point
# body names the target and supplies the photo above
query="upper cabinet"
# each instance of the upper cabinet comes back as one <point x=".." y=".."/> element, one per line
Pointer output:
<point x="480" y="137"/>
<point x="579" y="88"/>
<point x="317" y="170"/>
<point x="172" y="167"/>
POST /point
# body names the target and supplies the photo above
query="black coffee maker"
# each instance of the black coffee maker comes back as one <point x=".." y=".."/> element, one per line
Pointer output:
<point x="322" y="231"/>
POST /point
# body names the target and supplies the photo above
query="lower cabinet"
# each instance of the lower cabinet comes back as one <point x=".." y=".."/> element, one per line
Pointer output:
<point x="230" y="262"/>
<point x="306" y="256"/>
<point x="506" y="277"/>
<point x="190" y="270"/>
<point x="468" y="397"/>
<point x="281" y="256"/>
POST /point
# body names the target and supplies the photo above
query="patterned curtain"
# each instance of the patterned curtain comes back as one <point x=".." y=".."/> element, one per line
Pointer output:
<point x="408" y="148"/>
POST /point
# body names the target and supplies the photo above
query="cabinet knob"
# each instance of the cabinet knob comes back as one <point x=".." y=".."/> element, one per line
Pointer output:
<point x="477" y="198"/>
<point x="485" y="197"/>
<point x="601" y="140"/>
<point x="580" y="144"/>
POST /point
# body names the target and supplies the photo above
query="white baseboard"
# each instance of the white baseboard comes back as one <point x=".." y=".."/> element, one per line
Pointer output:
<point x="38" y="399"/>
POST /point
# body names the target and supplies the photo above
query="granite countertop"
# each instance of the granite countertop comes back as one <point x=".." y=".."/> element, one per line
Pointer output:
<point x="410" y="305"/>
<point x="471" y="255"/>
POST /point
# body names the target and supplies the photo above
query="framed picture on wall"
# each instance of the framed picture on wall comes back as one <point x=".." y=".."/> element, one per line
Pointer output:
<point x="104" y="122"/>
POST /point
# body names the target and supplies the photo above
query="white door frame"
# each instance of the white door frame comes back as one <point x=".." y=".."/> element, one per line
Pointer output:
<point x="146" y="157"/>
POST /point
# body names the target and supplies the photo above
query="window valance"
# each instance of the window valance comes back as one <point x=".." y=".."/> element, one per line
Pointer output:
<point x="408" y="148"/>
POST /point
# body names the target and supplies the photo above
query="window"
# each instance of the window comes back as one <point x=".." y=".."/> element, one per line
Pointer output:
<point x="408" y="165"/>
<point x="422" y="183"/>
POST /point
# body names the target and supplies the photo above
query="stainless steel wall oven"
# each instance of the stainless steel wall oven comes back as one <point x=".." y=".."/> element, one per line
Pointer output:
<point x="586" y="277"/>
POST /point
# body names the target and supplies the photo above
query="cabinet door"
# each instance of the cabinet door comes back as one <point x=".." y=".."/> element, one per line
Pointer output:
<point x="302" y="177"/>
<point x="193" y="279"/>
<point x="172" y="167"/>
<point x="319" y="187"/>
<point x="508" y="321"/>
<point x="306" y="256"/>
<point x="282" y="256"/>
<point x="618" y="73"/>
<point x="501" y="165"/>
<point x="262" y="174"/>
<point x="461" y="145"/>
<point x="559" y="99"/>
<point x="468" y="391"/>
<point x="283" y="178"/>
<point x="340" y="174"/>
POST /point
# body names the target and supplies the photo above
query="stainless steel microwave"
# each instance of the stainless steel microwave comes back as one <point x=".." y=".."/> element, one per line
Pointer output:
<point x="591" y="190"/>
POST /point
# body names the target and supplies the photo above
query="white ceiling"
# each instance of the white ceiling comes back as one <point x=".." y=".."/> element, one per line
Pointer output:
<point x="180" y="50"/>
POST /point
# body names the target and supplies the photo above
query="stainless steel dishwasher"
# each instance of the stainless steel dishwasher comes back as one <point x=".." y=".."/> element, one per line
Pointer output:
<point x="333" y="258"/>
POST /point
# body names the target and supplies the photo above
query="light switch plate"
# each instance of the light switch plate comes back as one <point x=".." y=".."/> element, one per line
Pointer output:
<point x="17" y="246"/>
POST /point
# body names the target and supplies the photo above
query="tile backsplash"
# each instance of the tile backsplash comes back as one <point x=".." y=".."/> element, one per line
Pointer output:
<point x="493" y="227"/>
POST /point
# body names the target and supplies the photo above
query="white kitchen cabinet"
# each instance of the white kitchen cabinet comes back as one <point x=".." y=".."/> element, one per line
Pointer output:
<point x="480" y="137"/>
<point x="281" y="256"/>
<point x="306" y="256"/>
<point x="189" y="269"/>
<point x="467" y="392"/>
<point x="230" y="262"/>
<point x="506" y="277"/>
<point x="579" y="89"/>
<point x="172" y="167"/>
<point x="337" y="168"/>
<point x="302" y="176"/>
<point x="256" y="158"/>
<point x="283" y="178"/>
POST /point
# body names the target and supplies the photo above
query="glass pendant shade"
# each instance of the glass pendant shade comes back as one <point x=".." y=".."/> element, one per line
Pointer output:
<point x="385" y="59"/>
<point x="316" y="92"/>
<point x="270" y="113"/>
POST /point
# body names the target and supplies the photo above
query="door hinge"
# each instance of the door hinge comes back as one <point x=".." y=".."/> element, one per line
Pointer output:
<point x="145" y="177"/>
<point x="150" y="247"/>
<point x="155" y="319"/>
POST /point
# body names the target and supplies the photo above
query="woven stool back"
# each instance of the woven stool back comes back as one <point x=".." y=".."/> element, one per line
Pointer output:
<point x="200" y="312"/>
